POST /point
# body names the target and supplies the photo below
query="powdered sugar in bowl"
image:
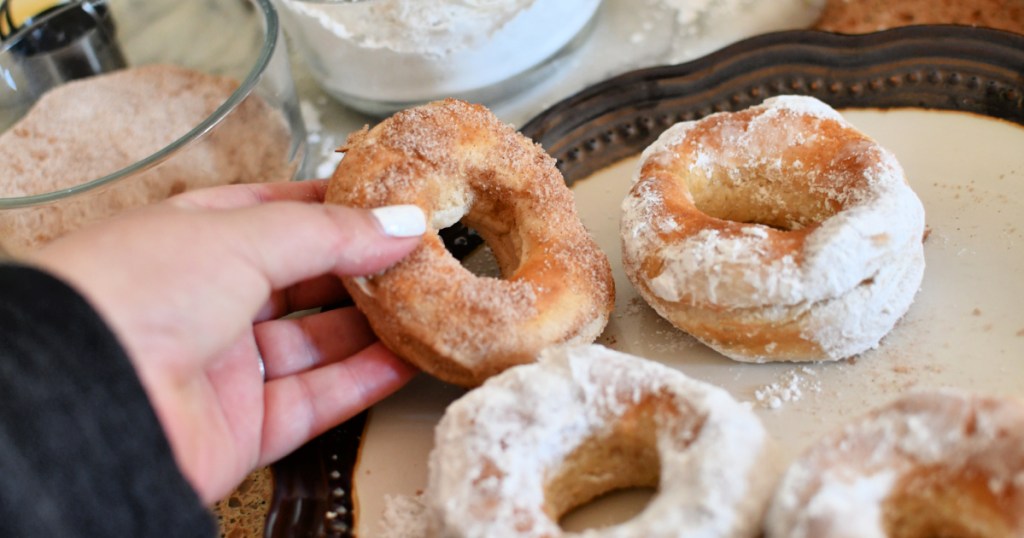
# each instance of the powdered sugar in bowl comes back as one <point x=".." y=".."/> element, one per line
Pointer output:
<point x="382" y="55"/>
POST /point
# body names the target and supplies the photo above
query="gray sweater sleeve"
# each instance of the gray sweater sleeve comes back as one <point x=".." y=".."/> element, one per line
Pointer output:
<point x="81" y="450"/>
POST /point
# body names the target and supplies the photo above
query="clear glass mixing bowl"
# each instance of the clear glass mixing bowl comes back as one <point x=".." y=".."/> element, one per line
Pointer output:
<point x="254" y="134"/>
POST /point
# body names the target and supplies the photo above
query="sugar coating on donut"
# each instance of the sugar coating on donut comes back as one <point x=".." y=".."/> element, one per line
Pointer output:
<point x="458" y="162"/>
<point x="512" y="456"/>
<point x="771" y="211"/>
<point x="864" y="16"/>
<point x="933" y="461"/>
<point x="695" y="271"/>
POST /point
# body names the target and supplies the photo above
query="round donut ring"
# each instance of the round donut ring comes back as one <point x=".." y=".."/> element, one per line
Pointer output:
<point x="514" y="455"/>
<point x="779" y="232"/>
<point x="942" y="463"/>
<point x="460" y="163"/>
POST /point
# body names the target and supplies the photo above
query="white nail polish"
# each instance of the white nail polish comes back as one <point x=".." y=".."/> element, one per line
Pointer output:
<point x="401" y="220"/>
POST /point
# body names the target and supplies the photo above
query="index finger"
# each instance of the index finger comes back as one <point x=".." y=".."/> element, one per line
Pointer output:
<point x="250" y="194"/>
<point x="285" y="243"/>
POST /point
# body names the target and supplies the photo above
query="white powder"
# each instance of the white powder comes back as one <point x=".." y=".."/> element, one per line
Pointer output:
<point x="849" y="509"/>
<point x="431" y="48"/>
<point x="699" y="27"/>
<point x="405" y="516"/>
<point x="790" y="386"/>
<point x="693" y="15"/>
<point x="328" y="157"/>
<point x="311" y="117"/>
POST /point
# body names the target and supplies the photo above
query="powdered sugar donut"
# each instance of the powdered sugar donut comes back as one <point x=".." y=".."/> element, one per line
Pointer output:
<point x="458" y="162"/>
<point x="511" y="457"/>
<point x="779" y="232"/>
<point x="939" y="463"/>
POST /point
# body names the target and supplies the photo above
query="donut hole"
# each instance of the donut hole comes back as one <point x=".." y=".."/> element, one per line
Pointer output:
<point x="604" y="464"/>
<point x="784" y="183"/>
<point x="460" y="240"/>
<point x="607" y="510"/>
<point x="502" y="251"/>
<point x="934" y="503"/>
<point x="622" y="461"/>
<point x="482" y="263"/>
<point x="466" y="245"/>
<point x="474" y="249"/>
<point x="759" y="198"/>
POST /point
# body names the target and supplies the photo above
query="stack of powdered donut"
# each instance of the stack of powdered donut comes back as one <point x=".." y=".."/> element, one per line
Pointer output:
<point x="775" y="233"/>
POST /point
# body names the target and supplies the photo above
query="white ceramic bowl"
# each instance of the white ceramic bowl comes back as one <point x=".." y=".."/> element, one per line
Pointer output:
<point x="248" y="129"/>
<point x="379" y="56"/>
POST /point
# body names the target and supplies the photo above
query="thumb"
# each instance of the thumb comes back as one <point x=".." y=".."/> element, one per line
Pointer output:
<point x="376" y="238"/>
<point x="290" y="242"/>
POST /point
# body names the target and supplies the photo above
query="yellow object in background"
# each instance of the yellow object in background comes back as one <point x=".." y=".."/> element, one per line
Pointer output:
<point x="21" y="10"/>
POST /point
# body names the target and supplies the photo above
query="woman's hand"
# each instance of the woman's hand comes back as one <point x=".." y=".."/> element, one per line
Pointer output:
<point x="195" y="288"/>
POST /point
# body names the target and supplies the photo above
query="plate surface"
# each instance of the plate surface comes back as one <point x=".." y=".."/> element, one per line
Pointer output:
<point x="965" y="329"/>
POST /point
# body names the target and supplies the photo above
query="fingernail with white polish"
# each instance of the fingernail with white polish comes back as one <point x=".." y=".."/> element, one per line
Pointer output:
<point x="401" y="220"/>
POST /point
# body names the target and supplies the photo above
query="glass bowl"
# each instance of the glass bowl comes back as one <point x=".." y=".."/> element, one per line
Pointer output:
<point x="379" y="56"/>
<point x="186" y="94"/>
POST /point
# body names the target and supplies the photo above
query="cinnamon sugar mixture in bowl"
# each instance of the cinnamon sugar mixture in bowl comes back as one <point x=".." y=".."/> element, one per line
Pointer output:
<point x="185" y="112"/>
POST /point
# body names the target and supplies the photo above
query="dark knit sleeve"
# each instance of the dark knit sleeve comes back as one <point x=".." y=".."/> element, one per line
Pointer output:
<point x="81" y="450"/>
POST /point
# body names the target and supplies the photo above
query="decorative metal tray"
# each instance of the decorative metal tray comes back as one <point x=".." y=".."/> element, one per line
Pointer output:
<point x="929" y="67"/>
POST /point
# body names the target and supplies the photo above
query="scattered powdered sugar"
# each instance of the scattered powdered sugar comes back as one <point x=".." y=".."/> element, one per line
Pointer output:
<point x="328" y="157"/>
<point x="692" y="15"/>
<point x="790" y="386"/>
<point x="405" y="516"/>
<point x="311" y="118"/>
<point x="698" y="27"/>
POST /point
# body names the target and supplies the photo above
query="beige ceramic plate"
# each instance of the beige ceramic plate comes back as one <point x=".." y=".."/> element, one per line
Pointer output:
<point x="966" y="328"/>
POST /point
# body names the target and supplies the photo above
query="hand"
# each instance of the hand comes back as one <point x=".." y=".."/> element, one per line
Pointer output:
<point x="194" y="288"/>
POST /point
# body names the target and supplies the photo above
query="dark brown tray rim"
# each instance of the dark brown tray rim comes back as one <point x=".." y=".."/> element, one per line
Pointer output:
<point x="937" y="67"/>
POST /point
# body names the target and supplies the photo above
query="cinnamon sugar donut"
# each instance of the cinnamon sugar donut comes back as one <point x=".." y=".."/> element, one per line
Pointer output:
<point x="460" y="163"/>
<point x="779" y="232"/>
<point x="931" y="464"/>
<point x="511" y="457"/>
<point x="863" y="16"/>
